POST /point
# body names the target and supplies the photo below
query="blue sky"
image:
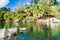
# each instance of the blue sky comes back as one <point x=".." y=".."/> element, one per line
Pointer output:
<point x="13" y="3"/>
<point x="58" y="0"/>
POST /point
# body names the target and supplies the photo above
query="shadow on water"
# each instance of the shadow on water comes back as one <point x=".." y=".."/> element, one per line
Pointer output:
<point x="33" y="32"/>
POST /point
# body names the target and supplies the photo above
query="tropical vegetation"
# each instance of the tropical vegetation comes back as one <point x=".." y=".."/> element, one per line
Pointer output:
<point x="34" y="11"/>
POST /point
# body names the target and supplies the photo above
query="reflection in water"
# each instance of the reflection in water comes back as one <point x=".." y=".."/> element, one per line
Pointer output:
<point x="1" y="25"/>
<point x="34" y="31"/>
<point x="24" y="37"/>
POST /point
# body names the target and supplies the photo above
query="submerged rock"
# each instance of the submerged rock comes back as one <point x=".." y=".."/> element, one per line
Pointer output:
<point x="12" y="32"/>
<point x="8" y="32"/>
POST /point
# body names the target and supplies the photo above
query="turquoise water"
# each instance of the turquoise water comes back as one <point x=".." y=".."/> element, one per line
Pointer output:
<point x="34" y="31"/>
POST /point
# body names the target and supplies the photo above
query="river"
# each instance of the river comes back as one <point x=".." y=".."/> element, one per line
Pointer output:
<point x="34" y="31"/>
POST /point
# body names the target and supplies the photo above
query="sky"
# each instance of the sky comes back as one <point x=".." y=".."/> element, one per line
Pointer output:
<point x="13" y="3"/>
<point x="58" y="0"/>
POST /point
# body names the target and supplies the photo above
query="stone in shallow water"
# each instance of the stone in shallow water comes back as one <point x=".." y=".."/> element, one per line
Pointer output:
<point x="2" y="32"/>
<point x="11" y="30"/>
<point x="5" y="32"/>
<point x="22" y="29"/>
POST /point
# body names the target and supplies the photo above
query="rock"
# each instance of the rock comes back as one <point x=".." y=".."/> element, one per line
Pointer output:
<point x="22" y="29"/>
<point x="54" y="20"/>
<point x="30" y="21"/>
<point x="23" y="21"/>
<point x="41" y="22"/>
<point x="7" y="21"/>
<point x="8" y="32"/>
<point x="12" y="30"/>
<point x="16" y="20"/>
<point x="3" y="33"/>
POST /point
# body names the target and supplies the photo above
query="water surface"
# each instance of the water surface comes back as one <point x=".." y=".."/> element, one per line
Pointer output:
<point x="34" y="31"/>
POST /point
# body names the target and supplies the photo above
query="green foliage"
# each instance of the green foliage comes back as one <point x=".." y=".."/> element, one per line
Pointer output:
<point x="0" y="16"/>
<point x="27" y="6"/>
<point x="29" y="18"/>
<point x="7" y="16"/>
<point x="27" y="9"/>
<point x="38" y="9"/>
<point x="17" y="16"/>
<point x="41" y="10"/>
<point x="7" y="25"/>
<point x="4" y="9"/>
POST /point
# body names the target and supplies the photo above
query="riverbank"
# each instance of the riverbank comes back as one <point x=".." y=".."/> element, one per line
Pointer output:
<point x="47" y="20"/>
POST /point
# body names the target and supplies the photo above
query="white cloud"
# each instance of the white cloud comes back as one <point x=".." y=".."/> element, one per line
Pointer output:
<point x="3" y="3"/>
<point x="26" y="3"/>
